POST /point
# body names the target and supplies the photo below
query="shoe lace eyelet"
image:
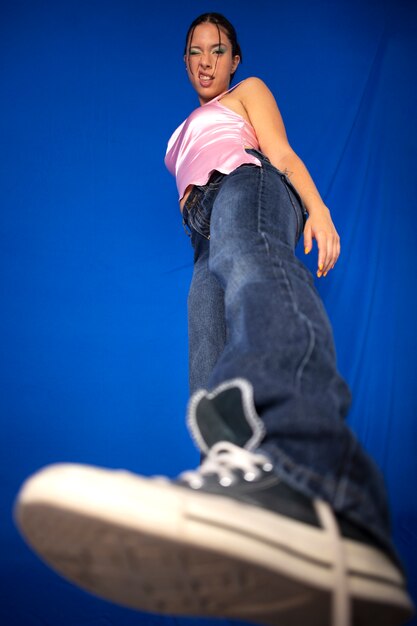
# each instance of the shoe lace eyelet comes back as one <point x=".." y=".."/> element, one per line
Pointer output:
<point x="196" y="483"/>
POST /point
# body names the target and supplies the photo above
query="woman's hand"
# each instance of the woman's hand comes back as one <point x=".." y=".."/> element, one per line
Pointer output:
<point x="319" y="226"/>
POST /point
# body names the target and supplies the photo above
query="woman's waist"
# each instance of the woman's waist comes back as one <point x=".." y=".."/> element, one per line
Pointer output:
<point x="214" y="177"/>
<point x="217" y="175"/>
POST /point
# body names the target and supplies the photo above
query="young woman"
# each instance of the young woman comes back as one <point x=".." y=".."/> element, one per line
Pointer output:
<point x="285" y="521"/>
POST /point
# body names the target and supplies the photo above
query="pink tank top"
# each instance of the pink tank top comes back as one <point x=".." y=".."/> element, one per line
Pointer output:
<point x="212" y="138"/>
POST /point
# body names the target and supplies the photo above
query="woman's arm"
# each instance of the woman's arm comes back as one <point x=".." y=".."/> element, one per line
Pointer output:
<point x="266" y="119"/>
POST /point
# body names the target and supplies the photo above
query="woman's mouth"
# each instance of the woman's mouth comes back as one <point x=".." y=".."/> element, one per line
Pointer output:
<point x="205" y="79"/>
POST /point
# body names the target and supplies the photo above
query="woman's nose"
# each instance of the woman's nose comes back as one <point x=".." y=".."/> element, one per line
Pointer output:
<point x="205" y="60"/>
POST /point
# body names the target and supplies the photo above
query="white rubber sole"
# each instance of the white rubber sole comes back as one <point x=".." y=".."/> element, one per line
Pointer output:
<point x="153" y="546"/>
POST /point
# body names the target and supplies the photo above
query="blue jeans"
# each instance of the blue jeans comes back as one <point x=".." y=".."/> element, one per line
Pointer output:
<point x="254" y="313"/>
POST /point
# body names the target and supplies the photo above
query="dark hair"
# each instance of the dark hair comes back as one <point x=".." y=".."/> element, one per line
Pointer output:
<point x="221" y="22"/>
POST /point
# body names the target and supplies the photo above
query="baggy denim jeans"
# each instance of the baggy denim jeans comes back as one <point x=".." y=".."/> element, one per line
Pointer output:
<point x="254" y="313"/>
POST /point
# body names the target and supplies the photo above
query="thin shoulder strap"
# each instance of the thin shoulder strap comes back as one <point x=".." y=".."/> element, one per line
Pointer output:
<point x="224" y="93"/>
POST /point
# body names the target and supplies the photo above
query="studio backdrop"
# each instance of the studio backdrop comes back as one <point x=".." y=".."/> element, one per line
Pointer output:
<point x="95" y="264"/>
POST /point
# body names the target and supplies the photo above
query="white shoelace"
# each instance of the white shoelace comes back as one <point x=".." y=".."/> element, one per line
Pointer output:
<point x="224" y="458"/>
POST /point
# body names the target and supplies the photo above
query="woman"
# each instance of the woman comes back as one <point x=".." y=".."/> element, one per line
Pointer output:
<point x="204" y="145"/>
<point x="285" y="521"/>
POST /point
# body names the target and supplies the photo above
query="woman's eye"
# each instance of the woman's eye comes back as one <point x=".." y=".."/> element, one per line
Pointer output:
<point x="219" y="51"/>
<point x="193" y="52"/>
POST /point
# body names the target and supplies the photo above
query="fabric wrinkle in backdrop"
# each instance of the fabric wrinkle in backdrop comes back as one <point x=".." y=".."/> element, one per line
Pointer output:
<point x="95" y="266"/>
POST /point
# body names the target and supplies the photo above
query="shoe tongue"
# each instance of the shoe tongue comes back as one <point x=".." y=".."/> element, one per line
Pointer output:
<point x="225" y="414"/>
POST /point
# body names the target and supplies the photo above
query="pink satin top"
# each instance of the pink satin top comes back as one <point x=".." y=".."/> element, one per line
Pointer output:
<point x="212" y="138"/>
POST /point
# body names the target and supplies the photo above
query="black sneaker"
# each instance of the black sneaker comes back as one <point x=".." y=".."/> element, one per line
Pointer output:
<point x="229" y="539"/>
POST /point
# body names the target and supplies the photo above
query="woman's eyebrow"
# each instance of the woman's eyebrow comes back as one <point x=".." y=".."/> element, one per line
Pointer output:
<point x="214" y="45"/>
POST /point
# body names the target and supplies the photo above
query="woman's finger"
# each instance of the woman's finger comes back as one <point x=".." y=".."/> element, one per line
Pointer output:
<point x="321" y="239"/>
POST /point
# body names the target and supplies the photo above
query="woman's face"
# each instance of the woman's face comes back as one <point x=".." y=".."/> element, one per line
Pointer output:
<point x="209" y="61"/>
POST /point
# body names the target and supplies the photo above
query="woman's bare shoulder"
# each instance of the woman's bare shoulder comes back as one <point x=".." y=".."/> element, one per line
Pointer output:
<point x="251" y="85"/>
<point x="253" y="91"/>
<point x="248" y="93"/>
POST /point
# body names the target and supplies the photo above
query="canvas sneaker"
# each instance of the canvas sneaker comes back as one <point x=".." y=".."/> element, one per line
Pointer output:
<point x="227" y="540"/>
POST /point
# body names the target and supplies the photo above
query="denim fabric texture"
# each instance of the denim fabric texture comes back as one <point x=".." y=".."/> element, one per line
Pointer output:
<point x="255" y="313"/>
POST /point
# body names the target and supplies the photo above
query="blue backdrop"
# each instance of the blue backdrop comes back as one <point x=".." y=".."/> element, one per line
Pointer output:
<point x="95" y="265"/>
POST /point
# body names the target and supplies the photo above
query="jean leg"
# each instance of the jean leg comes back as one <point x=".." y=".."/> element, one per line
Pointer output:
<point x="206" y="323"/>
<point x="280" y="340"/>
